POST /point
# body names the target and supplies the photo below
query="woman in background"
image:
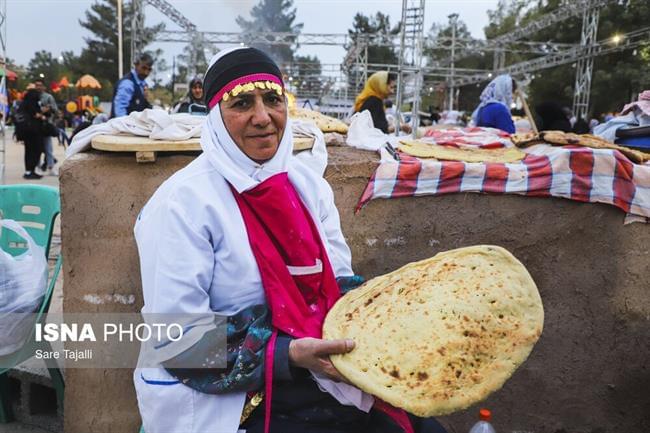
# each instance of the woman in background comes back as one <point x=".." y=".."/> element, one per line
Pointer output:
<point x="494" y="108"/>
<point x="378" y="87"/>
<point x="193" y="102"/>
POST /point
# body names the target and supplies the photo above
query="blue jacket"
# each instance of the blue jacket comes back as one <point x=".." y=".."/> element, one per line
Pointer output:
<point x="129" y="95"/>
<point x="496" y="115"/>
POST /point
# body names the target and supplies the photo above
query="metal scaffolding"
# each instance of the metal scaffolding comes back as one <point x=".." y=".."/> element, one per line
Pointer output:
<point x="584" y="69"/>
<point x="589" y="9"/>
<point x="409" y="70"/>
<point x="137" y="29"/>
<point x="628" y="41"/>
<point x="451" y="87"/>
<point x="566" y="10"/>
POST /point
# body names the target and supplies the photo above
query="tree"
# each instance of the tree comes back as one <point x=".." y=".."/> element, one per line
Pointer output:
<point x="507" y="16"/>
<point x="378" y="29"/>
<point x="50" y="69"/>
<point x="44" y="66"/>
<point x="439" y="53"/>
<point x="441" y="35"/>
<point x="272" y="16"/>
<point x="617" y="77"/>
<point x="99" y="58"/>
<point x="374" y="34"/>
<point x="306" y="74"/>
<point x="194" y="59"/>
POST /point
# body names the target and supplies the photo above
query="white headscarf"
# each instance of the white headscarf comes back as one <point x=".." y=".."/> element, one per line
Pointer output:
<point x="234" y="165"/>
<point x="498" y="91"/>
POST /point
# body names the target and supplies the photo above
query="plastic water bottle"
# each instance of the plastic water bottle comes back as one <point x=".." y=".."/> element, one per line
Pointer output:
<point x="483" y="426"/>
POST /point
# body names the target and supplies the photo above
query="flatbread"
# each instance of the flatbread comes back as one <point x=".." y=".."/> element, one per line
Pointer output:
<point x="587" y="140"/>
<point x="449" y="153"/>
<point x="323" y="122"/>
<point x="560" y="138"/>
<point x="525" y="139"/>
<point x="442" y="334"/>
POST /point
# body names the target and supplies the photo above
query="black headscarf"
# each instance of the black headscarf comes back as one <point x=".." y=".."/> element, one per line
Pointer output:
<point x="225" y="74"/>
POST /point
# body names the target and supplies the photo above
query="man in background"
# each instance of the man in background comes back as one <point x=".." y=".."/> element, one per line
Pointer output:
<point x="129" y="93"/>
<point x="50" y="112"/>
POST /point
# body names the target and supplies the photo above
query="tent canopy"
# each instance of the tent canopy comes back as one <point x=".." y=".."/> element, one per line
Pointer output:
<point x="88" y="82"/>
<point x="11" y="75"/>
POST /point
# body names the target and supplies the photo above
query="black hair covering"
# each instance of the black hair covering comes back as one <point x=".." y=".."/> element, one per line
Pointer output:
<point x="194" y="81"/>
<point x="239" y="63"/>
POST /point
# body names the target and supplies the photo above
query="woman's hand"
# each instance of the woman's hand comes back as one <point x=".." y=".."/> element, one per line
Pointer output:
<point x="313" y="354"/>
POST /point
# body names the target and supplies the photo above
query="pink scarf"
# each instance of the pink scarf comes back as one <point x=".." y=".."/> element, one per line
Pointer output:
<point x="297" y="276"/>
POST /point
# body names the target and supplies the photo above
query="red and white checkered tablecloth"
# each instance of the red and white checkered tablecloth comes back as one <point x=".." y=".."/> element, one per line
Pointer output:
<point x="572" y="172"/>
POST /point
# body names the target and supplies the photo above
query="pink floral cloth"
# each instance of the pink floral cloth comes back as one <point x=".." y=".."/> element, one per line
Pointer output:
<point x="642" y="104"/>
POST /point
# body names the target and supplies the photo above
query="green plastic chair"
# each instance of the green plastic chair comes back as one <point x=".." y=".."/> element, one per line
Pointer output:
<point x="35" y="207"/>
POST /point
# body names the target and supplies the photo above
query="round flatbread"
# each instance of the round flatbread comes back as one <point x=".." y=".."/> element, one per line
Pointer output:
<point x="323" y="122"/>
<point x="439" y="335"/>
<point x="448" y="153"/>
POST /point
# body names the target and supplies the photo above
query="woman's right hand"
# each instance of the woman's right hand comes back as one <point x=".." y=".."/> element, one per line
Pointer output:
<point x="313" y="354"/>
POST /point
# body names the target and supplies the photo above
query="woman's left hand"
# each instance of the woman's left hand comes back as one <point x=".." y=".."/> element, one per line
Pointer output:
<point x="313" y="354"/>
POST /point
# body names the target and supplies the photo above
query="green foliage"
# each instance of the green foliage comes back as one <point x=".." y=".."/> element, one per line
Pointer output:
<point x="198" y="49"/>
<point x="506" y="17"/>
<point x="49" y="68"/>
<point x="163" y="94"/>
<point x="306" y="74"/>
<point x="100" y="56"/>
<point x="469" y="95"/>
<point x="45" y="66"/>
<point x="272" y="16"/>
<point x="379" y="27"/>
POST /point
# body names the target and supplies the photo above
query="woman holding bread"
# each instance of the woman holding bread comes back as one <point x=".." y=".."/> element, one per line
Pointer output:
<point x="248" y="232"/>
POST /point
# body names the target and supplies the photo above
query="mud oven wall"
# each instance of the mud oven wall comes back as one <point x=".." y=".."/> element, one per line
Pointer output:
<point x="590" y="371"/>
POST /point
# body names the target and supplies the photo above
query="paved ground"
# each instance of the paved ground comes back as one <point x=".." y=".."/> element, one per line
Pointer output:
<point x="13" y="175"/>
<point x="15" y="166"/>
<point x="15" y="427"/>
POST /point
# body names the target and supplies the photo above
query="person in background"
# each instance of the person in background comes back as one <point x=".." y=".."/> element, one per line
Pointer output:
<point x="129" y="95"/>
<point x="451" y="117"/>
<point x="389" y="108"/>
<point x="552" y="117"/>
<point x="581" y="126"/>
<point x="568" y="113"/>
<point x="60" y="124"/>
<point x="391" y="113"/>
<point x="193" y="102"/>
<point x="50" y="112"/>
<point x="494" y="109"/>
<point x="31" y="133"/>
<point x="435" y="114"/>
<point x="378" y="87"/>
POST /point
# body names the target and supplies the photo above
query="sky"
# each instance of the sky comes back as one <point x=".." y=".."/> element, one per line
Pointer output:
<point x="53" y="25"/>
